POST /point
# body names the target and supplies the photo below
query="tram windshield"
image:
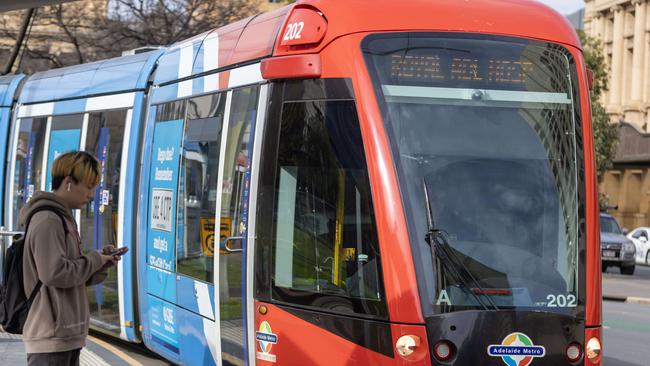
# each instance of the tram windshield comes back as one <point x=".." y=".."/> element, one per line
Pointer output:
<point x="486" y="136"/>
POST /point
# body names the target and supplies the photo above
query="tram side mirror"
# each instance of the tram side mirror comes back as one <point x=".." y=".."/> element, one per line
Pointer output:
<point x="232" y="244"/>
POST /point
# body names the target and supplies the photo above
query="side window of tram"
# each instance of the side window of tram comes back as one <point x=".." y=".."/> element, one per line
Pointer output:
<point x="324" y="238"/>
<point x="64" y="136"/>
<point x="29" y="161"/>
<point x="197" y="188"/>
<point x="104" y="138"/>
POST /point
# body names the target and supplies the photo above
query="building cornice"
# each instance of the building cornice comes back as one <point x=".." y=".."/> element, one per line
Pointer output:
<point x="606" y="6"/>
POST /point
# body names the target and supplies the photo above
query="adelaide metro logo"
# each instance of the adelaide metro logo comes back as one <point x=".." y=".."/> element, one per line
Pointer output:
<point x="266" y="339"/>
<point x="516" y="349"/>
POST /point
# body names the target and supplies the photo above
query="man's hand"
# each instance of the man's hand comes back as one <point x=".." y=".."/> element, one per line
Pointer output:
<point x="108" y="259"/>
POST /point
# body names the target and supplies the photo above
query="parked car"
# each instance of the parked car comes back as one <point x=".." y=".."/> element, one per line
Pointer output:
<point x="616" y="249"/>
<point x="639" y="237"/>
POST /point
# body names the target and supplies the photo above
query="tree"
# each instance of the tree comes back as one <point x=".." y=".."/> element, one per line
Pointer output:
<point x="605" y="133"/>
<point x="90" y="30"/>
<point x="135" y="23"/>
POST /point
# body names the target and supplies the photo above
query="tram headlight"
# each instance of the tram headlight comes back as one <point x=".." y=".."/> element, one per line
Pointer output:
<point x="593" y="349"/>
<point x="407" y="344"/>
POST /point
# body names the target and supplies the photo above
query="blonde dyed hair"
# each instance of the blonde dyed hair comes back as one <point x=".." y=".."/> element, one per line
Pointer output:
<point x="81" y="166"/>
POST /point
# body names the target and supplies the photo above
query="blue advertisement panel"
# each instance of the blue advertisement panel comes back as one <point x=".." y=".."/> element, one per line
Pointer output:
<point x="161" y="283"/>
<point x="61" y="141"/>
<point x="163" y="186"/>
<point x="163" y="320"/>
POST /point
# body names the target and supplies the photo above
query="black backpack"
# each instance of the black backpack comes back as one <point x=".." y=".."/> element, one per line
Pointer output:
<point x="14" y="305"/>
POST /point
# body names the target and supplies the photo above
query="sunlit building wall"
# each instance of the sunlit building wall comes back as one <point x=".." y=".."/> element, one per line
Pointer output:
<point x="623" y="26"/>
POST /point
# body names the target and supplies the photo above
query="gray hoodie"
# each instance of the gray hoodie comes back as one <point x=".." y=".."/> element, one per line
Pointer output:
<point x="59" y="317"/>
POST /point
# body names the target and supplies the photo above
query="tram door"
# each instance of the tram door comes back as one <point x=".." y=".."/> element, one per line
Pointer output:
<point x="104" y="135"/>
<point x="196" y="247"/>
<point x="233" y="218"/>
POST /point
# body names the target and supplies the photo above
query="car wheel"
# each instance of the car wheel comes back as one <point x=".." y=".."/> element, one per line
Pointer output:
<point x="604" y="268"/>
<point x="628" y="270"/>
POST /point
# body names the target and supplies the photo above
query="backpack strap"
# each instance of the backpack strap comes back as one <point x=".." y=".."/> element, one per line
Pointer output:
<point x="32" y="296"/>
<point x="46" y="208"/>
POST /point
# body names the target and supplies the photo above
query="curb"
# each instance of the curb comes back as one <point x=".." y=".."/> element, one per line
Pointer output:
<point x="628" y="299"/>
<point x="638" y="300"/>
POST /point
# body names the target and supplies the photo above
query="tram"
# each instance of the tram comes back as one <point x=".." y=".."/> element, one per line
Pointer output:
<point x="336" y="183"/>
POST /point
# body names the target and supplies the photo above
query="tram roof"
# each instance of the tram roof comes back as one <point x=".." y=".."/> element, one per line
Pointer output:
<point x="8" y="86"/>
<point x="112" y="76"/>
<point x="256" y="37"/>
<point x="523" y="18"/>
<point x="248" y="39"/>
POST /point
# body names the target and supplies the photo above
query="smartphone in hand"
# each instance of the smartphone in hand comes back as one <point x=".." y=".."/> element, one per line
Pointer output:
<point x="119" y="251"/>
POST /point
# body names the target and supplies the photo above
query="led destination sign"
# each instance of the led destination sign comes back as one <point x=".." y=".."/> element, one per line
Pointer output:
<point x="434" y="68"/>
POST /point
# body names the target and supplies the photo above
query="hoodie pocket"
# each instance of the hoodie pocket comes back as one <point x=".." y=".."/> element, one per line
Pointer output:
<point x="71" y="313"/>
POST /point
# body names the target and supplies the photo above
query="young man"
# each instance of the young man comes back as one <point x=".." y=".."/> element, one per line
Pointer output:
<point x="57" y="325"/>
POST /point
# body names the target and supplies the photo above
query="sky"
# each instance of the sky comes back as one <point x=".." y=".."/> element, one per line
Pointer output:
<point x="564" y="6"/>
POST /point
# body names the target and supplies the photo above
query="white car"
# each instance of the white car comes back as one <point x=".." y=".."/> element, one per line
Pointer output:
<point x="640" y="236"/>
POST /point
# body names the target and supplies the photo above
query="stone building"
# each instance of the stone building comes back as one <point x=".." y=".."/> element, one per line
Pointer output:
<point x="623" y="26"/>
<point x="45" y="35"/>
<point x="50" y="44"/>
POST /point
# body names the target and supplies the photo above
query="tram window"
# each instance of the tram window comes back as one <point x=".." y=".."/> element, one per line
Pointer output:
<point x="64" y="136"/>
<point x="324" y="246"/>
<point x="29" y="161"/>
<point x="503" y="175"/>
<point x="104" y="138"/>
<point x="198" y="186"/>
<point x="170" y="111"/>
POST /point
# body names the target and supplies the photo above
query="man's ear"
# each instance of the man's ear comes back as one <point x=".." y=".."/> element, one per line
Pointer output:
<point x="67" y="180"/>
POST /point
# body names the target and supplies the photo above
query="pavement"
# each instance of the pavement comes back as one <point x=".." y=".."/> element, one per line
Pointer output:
<point x="96" y="353"/>
<point x="630" y="289"/>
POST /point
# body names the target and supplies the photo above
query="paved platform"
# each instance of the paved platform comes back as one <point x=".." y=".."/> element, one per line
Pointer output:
<point x="633" y="289"/>
<point x="12" y="353"/>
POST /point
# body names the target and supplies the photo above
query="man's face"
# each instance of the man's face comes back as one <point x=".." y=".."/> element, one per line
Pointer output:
<point x="80" y="194"/>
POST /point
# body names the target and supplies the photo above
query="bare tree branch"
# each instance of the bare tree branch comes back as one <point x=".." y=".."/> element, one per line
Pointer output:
<point x="89" y="30"/>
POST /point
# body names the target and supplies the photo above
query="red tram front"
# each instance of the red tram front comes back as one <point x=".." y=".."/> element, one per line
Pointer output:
<point x="427" y="189"/>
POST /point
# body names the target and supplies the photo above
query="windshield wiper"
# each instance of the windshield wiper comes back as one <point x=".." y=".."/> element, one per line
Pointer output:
<point x="440" y="248"/>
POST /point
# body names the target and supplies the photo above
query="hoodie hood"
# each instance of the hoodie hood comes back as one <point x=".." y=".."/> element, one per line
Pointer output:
<point x="40" y="199"/>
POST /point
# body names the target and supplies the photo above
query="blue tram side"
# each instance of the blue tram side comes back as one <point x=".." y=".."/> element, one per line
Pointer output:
<point x="199" y="160"/>
<point x="9" y="86"/>
<point x="97" y="107"/>
<point x="173" y="130"/>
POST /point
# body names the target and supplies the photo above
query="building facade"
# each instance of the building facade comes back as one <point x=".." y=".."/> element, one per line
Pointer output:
<point x="46" y="37"/>
<point x="623" y="26"/>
